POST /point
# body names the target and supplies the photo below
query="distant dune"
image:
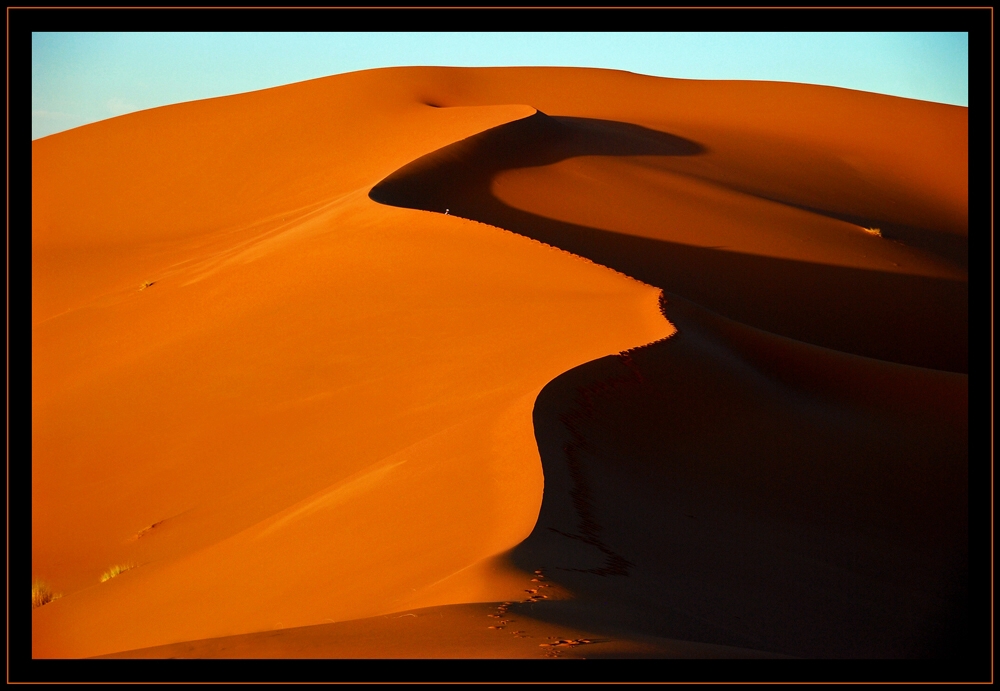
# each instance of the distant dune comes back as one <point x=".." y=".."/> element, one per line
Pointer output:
<point x="505" y="362"/>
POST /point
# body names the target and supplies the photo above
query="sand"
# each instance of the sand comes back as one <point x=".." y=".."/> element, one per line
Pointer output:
<point x="655" y="350"/>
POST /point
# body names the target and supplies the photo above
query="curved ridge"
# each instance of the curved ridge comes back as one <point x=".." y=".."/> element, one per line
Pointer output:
<point x="550" y="140"/>
<point x="550" y="137"/>
<point x="857" y="309"/>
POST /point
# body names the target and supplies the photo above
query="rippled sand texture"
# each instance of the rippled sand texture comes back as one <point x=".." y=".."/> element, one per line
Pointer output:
<point x="519" y="362"/>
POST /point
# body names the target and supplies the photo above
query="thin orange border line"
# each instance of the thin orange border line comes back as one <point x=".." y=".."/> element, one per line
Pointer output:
<point x="992" y="303"/>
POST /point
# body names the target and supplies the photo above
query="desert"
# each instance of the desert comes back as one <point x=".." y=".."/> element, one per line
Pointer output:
<point x="515" y="362"/>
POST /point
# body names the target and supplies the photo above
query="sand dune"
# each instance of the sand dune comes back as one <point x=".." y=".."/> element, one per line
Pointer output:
<point x="272" y="373"/>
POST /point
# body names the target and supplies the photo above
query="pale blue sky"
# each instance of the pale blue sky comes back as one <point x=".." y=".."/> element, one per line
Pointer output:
<point x="78" y="78"/>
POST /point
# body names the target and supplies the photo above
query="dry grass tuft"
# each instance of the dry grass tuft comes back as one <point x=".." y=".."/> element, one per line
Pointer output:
<point x="41" y="594"/>
<point x="116" y="570"/>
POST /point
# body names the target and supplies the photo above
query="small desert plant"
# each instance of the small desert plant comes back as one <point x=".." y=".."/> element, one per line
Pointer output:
<point x="41" y="594"/>
<point x="116" y="570"/>
<point x="145" y="284"/>
<point x="874" y="231"/>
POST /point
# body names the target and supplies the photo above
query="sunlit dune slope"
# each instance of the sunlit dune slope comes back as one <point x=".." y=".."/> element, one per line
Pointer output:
<point x="321" y="405"/>
<point x="264" y="374"/>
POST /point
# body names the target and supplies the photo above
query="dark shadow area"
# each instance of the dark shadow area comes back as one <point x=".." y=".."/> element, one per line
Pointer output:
<point x="689" y="494"/>
<point x="912" y="320"/>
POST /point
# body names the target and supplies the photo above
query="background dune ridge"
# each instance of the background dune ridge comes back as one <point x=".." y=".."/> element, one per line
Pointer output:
<point x="762" y="479"/>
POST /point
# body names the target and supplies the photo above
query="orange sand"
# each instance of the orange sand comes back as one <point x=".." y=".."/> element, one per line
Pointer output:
<point x="327" y="408"/>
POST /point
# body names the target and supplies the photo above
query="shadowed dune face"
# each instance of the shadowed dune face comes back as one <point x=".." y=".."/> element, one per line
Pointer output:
<point x="732" y="487"/>
<point x="293" y="403"/>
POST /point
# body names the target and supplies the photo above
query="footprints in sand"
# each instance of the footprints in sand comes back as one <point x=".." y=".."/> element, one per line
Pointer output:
<point x="535" y="594"/>
<point x="501" y="611"/>
<point x="552" y="648"/>
<point x="565" y="643"/>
